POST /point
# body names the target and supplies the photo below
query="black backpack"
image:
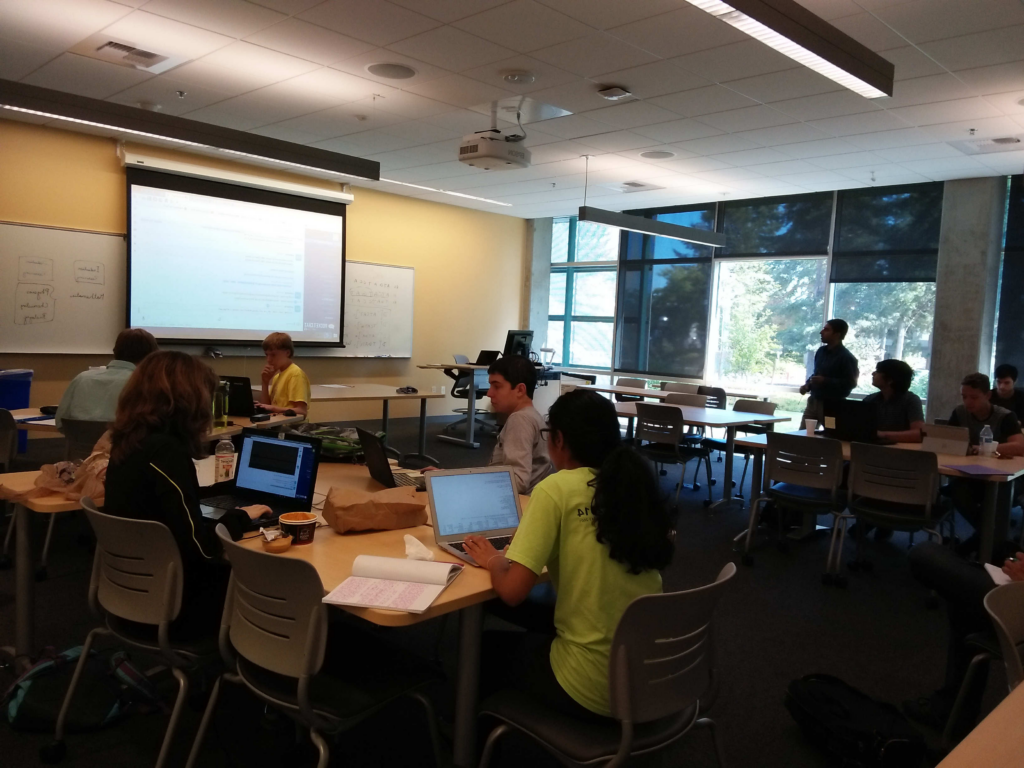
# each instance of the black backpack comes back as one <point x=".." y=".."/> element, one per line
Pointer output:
<point x="854" y="728"/>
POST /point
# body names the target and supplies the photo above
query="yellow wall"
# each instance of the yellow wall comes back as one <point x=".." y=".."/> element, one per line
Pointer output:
<point x="469" y="264"/>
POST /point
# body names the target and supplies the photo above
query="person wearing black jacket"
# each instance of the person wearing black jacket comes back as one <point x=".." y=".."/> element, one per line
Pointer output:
<point x="162" y="415"/>
<point x="835" y="371"/>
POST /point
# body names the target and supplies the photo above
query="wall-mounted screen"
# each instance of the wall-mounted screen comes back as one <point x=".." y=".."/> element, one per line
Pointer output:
<point x="215" y="262"/>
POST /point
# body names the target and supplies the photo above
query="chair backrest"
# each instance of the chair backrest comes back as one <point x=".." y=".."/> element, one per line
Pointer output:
<point x="894" y="474"/>
<point x="136" y="571"/>
<point x="716" y="396"/>
<point x="635" y="384"/>
<point x="1005" y="605"/>
<point x="755" y="406"/>
<point x="662" y="655"/>
<point x="656" y="423"/>
<point x="274" y="615"/>
<point x="685" y="398"/>
<point x="678" y="386"/>
<point x="461" y="359"/>
<point x="8" y="439"/>
<point x="813" y="462"/>
<point x="81" y="436"/>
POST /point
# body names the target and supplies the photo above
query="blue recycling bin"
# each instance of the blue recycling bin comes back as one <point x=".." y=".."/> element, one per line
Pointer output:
<point x="15" y="386"/>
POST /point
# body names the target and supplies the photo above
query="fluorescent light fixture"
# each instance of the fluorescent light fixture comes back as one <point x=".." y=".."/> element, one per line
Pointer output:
<point x="448" y="192"/>
<point x="795" y="32"/>
<point x="651" y="227"/>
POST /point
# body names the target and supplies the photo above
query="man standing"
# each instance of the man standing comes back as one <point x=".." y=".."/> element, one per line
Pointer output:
<point x="1006" y="395"/>
<point x="521" y="442"/>
<point x="835" y="370"/>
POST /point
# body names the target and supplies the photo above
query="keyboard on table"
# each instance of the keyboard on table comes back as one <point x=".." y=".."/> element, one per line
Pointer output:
<point x="403" y="479"/>
<point x="221" y="502"/>
<point x="498" y="542"/>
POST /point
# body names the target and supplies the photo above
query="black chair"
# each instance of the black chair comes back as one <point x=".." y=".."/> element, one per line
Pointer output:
<point x="658" y="437"/>
<point x="463" y="379"/>
<point x="716" y="398"/>
<point x="746" y="406"/>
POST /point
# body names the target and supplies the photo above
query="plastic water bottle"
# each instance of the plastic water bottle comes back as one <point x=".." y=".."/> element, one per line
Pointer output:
<point x="224" y="461"/>
<point x="986" y="442"/>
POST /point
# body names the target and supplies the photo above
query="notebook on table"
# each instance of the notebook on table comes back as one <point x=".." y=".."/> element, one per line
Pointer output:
<point x="272" y="470"/>
<point x="393" y="583"/>
<point x="379" y="466"/>
<point x="480" y="501"/>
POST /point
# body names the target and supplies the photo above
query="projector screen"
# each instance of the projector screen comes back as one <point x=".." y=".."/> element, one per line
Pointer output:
<point x="221" y="263"/>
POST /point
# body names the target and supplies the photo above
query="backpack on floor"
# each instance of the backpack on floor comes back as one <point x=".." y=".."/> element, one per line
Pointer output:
<point x="107" y="690"/>
<point x="858" y="731"/>
<point x="336" y="443"/>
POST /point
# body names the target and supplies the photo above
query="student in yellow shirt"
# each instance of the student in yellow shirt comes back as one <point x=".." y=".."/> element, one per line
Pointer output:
<point x="600" y="526"/>
<point x="285" y="386"/>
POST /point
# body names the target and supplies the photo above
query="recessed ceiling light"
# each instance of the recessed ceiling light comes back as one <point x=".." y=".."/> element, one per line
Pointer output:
<point x="519" y="77"/>
<point x="657" y="154"/>
<point x="391" y="71"/>
<point x="613" y="93"/>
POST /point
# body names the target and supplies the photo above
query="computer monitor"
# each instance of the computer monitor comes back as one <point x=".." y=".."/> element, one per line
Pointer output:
<point x="518" y="343"/>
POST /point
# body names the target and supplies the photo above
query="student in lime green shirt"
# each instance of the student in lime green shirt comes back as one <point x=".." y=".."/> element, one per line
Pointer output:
<point x="285" y="386"/>
<point x="602" y="530"/>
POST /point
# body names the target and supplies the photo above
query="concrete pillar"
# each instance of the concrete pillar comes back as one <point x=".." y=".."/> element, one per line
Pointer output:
<point x="966" y="286"/>
<point x="538" y="281"/>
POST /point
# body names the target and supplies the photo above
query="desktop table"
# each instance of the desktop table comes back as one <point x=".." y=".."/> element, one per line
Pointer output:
<point x="997" y="741"/>
<point x="238" y="424"/>
<point x="1013" y="467"/>
<point x="711" y="417"/>
<point x="46" y="425"/>
<point x="657" y="394"/>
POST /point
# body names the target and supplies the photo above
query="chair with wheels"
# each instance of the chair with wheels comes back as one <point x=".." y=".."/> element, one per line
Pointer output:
<point x="747" y="406"/>
<point x="801" y="473"/>
<point x="694" y="436"/>
<point x="273" y="639"/>
<point x="136" y="587"/>
<point x="464" y="378"/>
<point x="659" y="437"/>
<point x="661" y="672"/>
<point x="889" y="488"/>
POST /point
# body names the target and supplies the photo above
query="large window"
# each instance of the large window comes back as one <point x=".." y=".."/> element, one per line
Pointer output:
<point x="1010" y="332"/>
<point x="581" y="305"/>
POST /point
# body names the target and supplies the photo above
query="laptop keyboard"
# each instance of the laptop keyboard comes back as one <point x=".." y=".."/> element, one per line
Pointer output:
<point x="403" y="479"/>
<point x="498" y="542"/>
<point x="221" y="502"/>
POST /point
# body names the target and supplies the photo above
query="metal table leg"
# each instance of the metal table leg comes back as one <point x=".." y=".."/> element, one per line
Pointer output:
<point x="384" y="427"/>
<point x="988" y="523"/>
<point x="727" y="499"/>
<point x="24" y="586"/>
<point x="470" y="421"/>
<point x="422" y="454"/>
<point x="467" y="685"/>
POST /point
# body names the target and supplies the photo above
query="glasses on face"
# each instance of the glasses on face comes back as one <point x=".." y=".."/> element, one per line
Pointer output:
<point x="545" y="432"/>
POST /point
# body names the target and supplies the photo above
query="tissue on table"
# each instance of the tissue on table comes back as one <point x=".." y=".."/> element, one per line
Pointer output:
<point x="414" y="549"/>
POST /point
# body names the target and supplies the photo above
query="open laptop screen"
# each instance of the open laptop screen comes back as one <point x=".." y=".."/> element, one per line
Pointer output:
<point x="471" y="503"/>
<point x="279" y="467"/>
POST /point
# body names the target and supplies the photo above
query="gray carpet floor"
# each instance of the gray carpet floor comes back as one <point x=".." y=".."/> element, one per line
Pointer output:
<point x="776" y="623"/>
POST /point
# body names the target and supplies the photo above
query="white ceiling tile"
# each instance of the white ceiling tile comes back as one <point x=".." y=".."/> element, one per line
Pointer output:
<point x="751" y="157"/>
<point x="282" y="132"/>
<point x="375" y="21"/>
<point x="818" y="148"/>
<point x="463" y="121"/>
<point x="635" y="153"/>
<point x="831" y="9"/>
<point x="924" y="20"/>
<point x="535" y="138"/>
<point x="448" y="10"/>
<point x="339" y="121"/>
<point x="678" y="32"/>
<point x="978" y="50"/>
<point x="373" y="142"/>
<point x="594" y="55"/>
<point x="547" y="76"/>
<point x="407" y="105"/>
<point x="715" y="145"/>
<point x="166" y="36"/>
<point x="338" y="145"/>
<point x="357" y="65"/>
<point x="236" y="18"/>
<point x="308" y="41"/>
<point x="420" y="173"/>
<point x="785" y="168"/>
<point x="616" y="141"/>
<point x="604" y="14"/>
<point x="259" y="66"/>
<point x="573" y="127"/>
<point x="779" y="135"/>
<point x="231" y="82"/>
<point x="429" y="154"/>
<point x="163" y="90"/>
<point x="422" y="133"/>
<point x="905" y="137"/>
<point x="999" y="78"/>
<point x="727" y="175"/>
<point x="84" y="76"/>
<point x="451" y="48"/>
<point x="1008" y="103"/>
<point x="885" y="175"/>
<point x="632" y="114"/>
<point x="577" y="96"/>
<point x="944" y="167"/>
<point x="460" y="91"/>
<point x="869" y="31"/>
<point x="19" y="59"/>
<point x="825" y="105"/>
<point x="922" y="152"/>
<point x="816" y="180"/>
<point x="734" y="62"/>
<point x="247" y="111"/>
<point x="56" y="24"/>
<point x="779" y="86"/>
<point x="287" y="7"/>
<point x="562" y="150"/>
<point x="848" y="160"/>
<point x="1007" y="163"/>
<point x="328" y="86"/>
<point x="910" y="62"/>
<point x="678" y="131"/>
<point x="524" y="26"/>
<point x="923" y="90"/>
<point x="703" y="101"/>
<point x="964" y="130"/>
<point x="654" y="80"/>
<point x="865" y="122"/>
<point x="946" y="111"/>
<point x="746" y="119"/>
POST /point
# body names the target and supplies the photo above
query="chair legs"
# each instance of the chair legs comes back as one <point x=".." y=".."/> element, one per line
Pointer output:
<point x="716" y="737"/>
<point x="435" y="737"/>
<point x="492" y="739"/>
<point x="172" y="726"/>
<point x="835" y="551"/>
<point x="321" y="746"/>
<point x="949" y="732"/>
<point x="41" y="570"/>
<point x="5" y="558"/>
<point x="211" y="706"/>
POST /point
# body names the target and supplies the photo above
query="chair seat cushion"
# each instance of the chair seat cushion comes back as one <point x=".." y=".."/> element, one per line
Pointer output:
<point x="802" y="494"/>
<point x="581" y="740"/>
<point x="893" y="514"/>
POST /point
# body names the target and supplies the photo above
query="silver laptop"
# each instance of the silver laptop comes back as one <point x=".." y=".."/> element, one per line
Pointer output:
<point x="480" y="501"/>
<point x="941" y="438"/>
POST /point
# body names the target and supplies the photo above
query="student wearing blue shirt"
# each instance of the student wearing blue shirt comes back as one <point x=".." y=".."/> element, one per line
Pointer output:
<point x="92" y="395"/>
<point x="835" y="370"/>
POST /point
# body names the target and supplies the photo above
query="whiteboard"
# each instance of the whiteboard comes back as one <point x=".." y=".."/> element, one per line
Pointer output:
<point x="61" y="290"/>
<point x="378" y="310"/>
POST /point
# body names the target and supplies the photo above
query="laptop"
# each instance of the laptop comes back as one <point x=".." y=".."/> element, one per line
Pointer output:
<point x="240" y="397"/>
<point x="272" y="470"/>
<point x="481" y="501"/>
<point x="487" y="356"/>
<point x="854" y="421"/>
<point x="379" y="466"/>
<point x="939" y="438"/>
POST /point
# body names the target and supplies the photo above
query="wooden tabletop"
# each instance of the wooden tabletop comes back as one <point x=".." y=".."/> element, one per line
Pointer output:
<point x="1013" y="467"/>
<point x="356" y="392"/>
<point x="445" y="366"/>
<point x="238" y="423"/>
<point x="657" y="394"/>
<point x="33" y="426"/>
<point x="997" y="741"/>
<point x="708" y="417"/>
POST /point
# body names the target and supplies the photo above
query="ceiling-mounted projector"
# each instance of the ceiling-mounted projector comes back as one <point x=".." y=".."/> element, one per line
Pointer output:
<point x="493" y="150"/>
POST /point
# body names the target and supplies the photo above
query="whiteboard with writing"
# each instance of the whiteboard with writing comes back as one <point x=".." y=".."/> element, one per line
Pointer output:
<point x="61" y="291"/>
<point x="378" y="310"/>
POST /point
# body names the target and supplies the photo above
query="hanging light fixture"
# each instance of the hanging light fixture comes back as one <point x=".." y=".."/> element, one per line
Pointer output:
<point x="795" y="32"/>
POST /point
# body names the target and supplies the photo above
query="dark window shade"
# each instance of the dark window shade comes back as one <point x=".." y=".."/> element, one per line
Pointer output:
<point x="796" y="225"/>
<point x="639" y="246"/>
<point x="1010" y="339"/>
<point x="892" y="219"/>
<point x="884" y="268"/>
<point x="1015" y="218"/>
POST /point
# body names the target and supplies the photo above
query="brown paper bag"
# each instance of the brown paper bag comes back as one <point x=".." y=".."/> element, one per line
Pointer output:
<point x="68" y="479"/>
<point x="350" y="510"/>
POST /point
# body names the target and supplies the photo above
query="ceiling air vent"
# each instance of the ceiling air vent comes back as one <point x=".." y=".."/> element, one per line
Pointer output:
<point x="988" y="146"/>
<point x="631" y="186"/>
<point x="124" y="53"/>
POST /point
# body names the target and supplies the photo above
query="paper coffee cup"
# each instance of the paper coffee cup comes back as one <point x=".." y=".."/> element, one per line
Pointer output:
<point x="299" y="525"/>
<point x="811" y="425"/>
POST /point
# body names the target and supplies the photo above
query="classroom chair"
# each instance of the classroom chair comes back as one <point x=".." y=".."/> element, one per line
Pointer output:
<point x="747" y="406"/>
<point x="660" y="673"/>
<point x="659" y="437"/>
<point x="136" y="588"/>
<point x="464" y="379"/>
<point x="635" y="384"/>
<point x="694" y="436"/>
<point x="800" y="473"/>
<point x="716" y="398"/>
<point x="679" y="386"/>
<point x="889" y="488"/>
<point x="273" y="640"/>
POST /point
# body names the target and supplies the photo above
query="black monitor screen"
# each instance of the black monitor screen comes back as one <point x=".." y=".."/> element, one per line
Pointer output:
<point x="518" y="343"/>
